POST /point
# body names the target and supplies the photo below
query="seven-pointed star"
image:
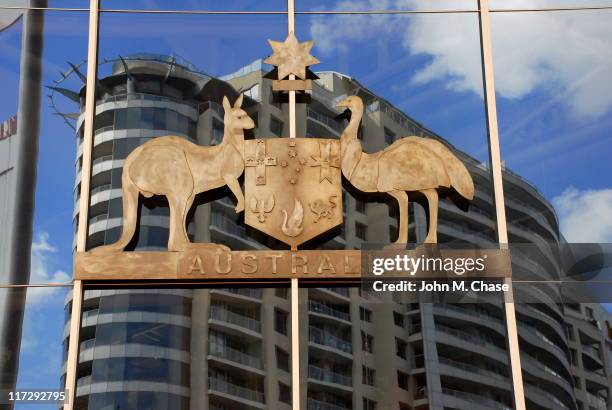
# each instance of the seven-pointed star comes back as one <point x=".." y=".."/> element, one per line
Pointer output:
<point x="291" y="57"/>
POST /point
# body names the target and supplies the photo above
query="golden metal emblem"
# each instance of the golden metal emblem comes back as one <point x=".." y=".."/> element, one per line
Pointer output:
<point x="293" y="187"/>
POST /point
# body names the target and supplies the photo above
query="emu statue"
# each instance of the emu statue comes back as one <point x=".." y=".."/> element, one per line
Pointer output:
<point x="409" y="164"/>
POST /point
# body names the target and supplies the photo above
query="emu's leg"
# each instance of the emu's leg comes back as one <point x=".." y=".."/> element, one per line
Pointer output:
<point x="234" y="186"/>
<point x="178" y="239"/>
<point x="402" y="200"/>
<point x="432" y="199"/>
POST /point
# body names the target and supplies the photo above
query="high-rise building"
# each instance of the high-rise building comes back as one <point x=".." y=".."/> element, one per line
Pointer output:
<point x="228" y="348"/>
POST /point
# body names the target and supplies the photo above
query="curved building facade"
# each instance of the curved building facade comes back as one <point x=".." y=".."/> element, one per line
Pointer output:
<point x="229" y="348"/>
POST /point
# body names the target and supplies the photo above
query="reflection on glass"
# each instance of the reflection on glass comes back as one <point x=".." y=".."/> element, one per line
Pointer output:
<point x="369" y="351"/>
<point x="553" y="113"/>
<point x="197" y="5"/>
<point x="218" y="348"/>
<point x="393" y="5"/>
<point x="35" y="345"/>
<point x="406" y="93"/>
<point x="544" y="4"/>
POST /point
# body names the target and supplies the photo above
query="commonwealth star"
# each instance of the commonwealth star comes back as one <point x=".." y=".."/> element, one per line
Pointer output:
<point x="291" y="57"/>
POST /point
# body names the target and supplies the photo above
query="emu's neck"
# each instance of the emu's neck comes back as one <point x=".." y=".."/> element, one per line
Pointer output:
<point x="351" y="150"/>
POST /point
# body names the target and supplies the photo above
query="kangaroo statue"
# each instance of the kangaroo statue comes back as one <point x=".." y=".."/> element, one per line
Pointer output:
<point x="178" y="169"/>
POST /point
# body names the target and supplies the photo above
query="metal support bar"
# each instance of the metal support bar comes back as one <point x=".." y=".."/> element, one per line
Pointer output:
<point x="295" y="327"/>
<point x="498" y="194"/>
<point x="83" y="225"/>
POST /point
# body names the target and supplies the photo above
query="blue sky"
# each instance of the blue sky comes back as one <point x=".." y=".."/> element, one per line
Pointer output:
<point x="555" y="112"/>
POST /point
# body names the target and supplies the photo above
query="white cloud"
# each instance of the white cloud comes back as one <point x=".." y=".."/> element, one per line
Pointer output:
<point x="40" y="272"/>
<point x="585" y="216"/>
<point x="566" y="53"/>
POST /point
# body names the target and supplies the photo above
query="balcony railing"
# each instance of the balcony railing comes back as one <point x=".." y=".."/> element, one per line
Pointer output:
<point x="341" y="291"/>
<point x="83" y="381"/>
<point x="329" y="376"/>
<point x="592" y="351"/>
<point x="321" y="405"/>
<point x="102" y="159"/>
<point x="468" y="337"/>
<point x="476" y="398"/>
<point x="330" y="122"/>
<point x="224" y="386"/>
<point x="87" y="344"/>
<point x="89" y="313"/>
<point x="100" y="189"/>
<point x="321" y="337"/>
<point x="473" y="369"/>
<point x="234" y="355"/>
<point x="537" y="390"/>
<point x="225" y="315"/>
<point x="596" y="401"/>
<point x="324" y="309"/>
<point x="251" y="293"/>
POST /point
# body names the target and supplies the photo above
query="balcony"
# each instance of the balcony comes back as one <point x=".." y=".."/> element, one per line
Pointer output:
<point x="324" y="338"/>
<point x="84" y="381"/>
<point x="225" y="315"/>
<point x="321" y="405"/>
<point x="329" y="376"/>
<point x="596" y="401"/>
<point x="235" y="355"/>
<point x="90" y="313"/>
<point x="100" y="188"/>
<point x="592" y="351"/>
<point x="231" y="389"/>
<point x="250" y="293"/>
<point x="87" y="344"/>
<point x="473" y="369"/>
<point x="476" y="398"/>
<point x="323" y="309"/>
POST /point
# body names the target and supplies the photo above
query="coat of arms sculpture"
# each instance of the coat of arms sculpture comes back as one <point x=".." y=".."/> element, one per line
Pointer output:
<point x="292" y="186"/>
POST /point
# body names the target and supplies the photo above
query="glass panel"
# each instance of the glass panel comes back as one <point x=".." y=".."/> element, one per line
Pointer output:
<point x="175" y="86"/>
<point x="416" y="78"/>
<point x="367" y="351"/>
<point x="200" y="348"/>
<point x="542" y="4"/>
<point x="197" y="5"/>
<point x="61" y="4"/>
<point x="554" y="120"/>
<point x="43" y="50"/>
<point x="395" y="5"/>
<point x="35" y="348"/>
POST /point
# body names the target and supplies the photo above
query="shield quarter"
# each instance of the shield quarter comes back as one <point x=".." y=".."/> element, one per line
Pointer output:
<point x="293" y="187"/>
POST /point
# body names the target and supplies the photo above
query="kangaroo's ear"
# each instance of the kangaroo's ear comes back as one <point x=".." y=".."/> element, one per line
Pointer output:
<point x="238" y="102"/>
<point x="226" y="104"/>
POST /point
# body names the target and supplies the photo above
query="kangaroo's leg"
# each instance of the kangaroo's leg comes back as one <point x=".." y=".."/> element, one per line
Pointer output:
<point x="432" y="199"/>
<point x="234" y="186"/>
<point x="188" y="205"/>
<point x="402" y="200"/>
<point x="130" y="194"/>
<point x="177" y="239"/>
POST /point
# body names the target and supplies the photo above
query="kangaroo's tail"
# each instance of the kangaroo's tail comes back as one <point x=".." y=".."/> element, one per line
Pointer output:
<point x="130" y="213"/>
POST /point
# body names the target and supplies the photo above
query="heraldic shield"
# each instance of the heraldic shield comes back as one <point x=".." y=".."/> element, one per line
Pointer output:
<point x="293" y="187"/>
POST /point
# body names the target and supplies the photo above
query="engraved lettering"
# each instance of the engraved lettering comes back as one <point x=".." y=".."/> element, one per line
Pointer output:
<point x="273" y="258"/>
<point x="196" y="266"/>
<point x="228" y="263"/>
<point x="325" y="266"/>
<point x="249" y="264"/>
<point x="299" y="261"/>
